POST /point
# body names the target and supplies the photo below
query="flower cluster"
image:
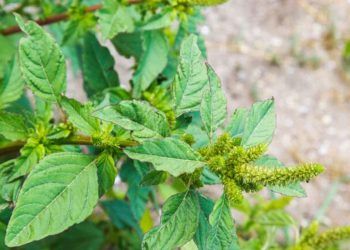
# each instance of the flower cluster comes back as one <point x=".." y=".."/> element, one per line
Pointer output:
<point x="311" y="239"/>
<point x="235" y="164"/>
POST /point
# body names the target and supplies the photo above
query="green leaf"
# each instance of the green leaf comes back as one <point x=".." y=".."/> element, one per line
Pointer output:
<point x="98" y="66"/>
<point x="114" y="18"/>
<point x="191" y="77"/>
<point x="222" y="233"/>
<point x="213" y="106"/>
<point x="152" y="62"/>
<point x="278" y="218"/>
<point x="129" y="44"/>
<point x="154" y="177"/>
<point x="106" y="172"/>
<point x="61" y="191"/>
<point x="120" y="214"/>
<point x="294" y="189"/>
<point x="8" y="190"/>
<point x="42" y="63"/>
<point x="260" y="124"/>
<point x="7" y="51"/>
<point x="132" y="173"/>
<point x="209" y="178"/>
<point x="169" y="154"/>
<point x="206" y="207"/>
<point x="237" y="123"/>
<point x="85" y="236"/>
<point x="80" y="116"/>
<point x="12" y="126"/>
<point x="138" y="116"/>
<point x="2" y="236"/>
<point x="180" y="215"/>
<point x="11" y="87"/>
<point x="158" y="21"/>
<point x="30" y="156"/>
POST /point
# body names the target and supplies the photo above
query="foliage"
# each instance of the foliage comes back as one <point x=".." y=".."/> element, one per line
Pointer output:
<point x="165" y="135"/>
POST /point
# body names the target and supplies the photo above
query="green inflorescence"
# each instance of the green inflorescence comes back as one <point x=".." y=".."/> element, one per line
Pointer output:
<point x="277" y="176"/>
<point x="188" y="138"/>
<point x="310" y="238"/>
<point x="235" y="166"/>
<point x="232" y="190"/>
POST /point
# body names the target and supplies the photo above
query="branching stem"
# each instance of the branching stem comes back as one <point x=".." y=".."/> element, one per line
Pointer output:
<point x="14" y="147"/>
<point x="56" y="18"/>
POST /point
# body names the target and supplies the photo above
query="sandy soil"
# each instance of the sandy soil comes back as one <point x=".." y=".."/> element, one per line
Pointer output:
<point x="291" y="50"/>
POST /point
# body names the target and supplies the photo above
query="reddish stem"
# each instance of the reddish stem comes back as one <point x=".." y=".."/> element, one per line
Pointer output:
<point x="57" y="18"/>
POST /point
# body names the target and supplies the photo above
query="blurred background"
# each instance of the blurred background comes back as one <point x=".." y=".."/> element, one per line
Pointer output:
<point x="297" y="52"/>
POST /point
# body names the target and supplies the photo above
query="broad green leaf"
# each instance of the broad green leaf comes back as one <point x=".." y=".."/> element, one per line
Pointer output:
<point x="11" y="87"/>
<point x="169" y="154"/>
<point x="2" y="236"/>
<point x="61" y="191"/>
<point x="120" y="214"/>
<point x="98" y="67"/>
<point x="8" y="190"/>
<point x="180" y="215"/>
<point x="260" y="124"/>
<point x="106" y="172"/>
<point x="42" y="63"/>
<point x="191" y="77"/>
<point x="114" y="18"/>
<point x="222" y="233"/>
<point x="138" y="116"/>
<point x="158" y="21"/>
<point x="12" y="126"/>
<point x="154" y="177"/>
<point x="7" y="51"/>
<point x="80" y="116"/>
<point x="153" y="60"/>
<point x="237" y="123"/>
<point x="132" y="172"/>
<point x="278" y="218"/>
<point x="206" y="207"/>
<point x="129" y="44"/>
<point x="294" y="189"/>
<point x="85" y="235"/>
<point x="213" y="106"/>
<point x="30" y="156"/>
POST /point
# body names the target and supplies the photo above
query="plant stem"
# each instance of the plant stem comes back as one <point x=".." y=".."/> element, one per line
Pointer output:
<point x="49" y="20"/>
<point x="14" y="147"/>
<point x="56" y="18"/>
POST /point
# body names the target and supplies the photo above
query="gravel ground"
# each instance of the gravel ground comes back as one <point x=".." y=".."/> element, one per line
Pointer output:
<point x="290" y="49"/>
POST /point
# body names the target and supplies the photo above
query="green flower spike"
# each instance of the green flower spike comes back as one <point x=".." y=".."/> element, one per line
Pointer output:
<point x="239" y="155"/>
<point x="311" y="241"/>
<point x="232" y="190"/>
<point x="278" y="176"/>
